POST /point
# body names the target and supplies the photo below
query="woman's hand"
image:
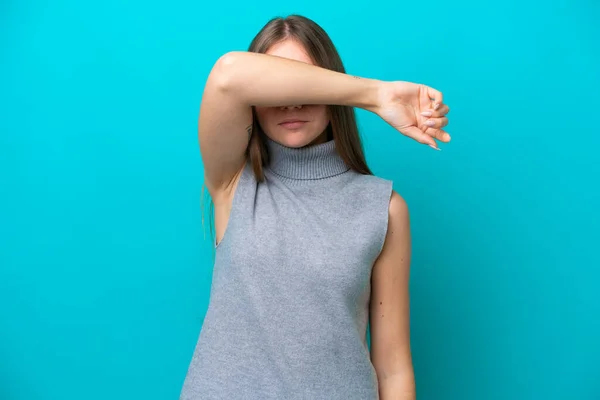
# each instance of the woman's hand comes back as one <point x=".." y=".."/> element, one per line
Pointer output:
<point x="415" y="110"/>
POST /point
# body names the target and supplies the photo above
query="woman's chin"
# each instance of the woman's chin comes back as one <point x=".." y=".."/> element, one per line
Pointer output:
<point x="297" y="139"/>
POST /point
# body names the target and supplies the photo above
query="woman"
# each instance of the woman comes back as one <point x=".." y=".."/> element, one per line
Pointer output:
<point x="310" y="245"/>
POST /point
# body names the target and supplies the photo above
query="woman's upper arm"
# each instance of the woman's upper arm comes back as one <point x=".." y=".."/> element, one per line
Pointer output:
<point x="389" y="309"/>
<point x="224" y="128"/>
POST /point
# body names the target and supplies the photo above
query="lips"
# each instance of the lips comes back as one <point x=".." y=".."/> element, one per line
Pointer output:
<point x="292" y="123"/>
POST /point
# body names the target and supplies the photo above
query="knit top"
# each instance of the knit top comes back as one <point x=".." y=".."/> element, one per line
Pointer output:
<point x="290" y="292"/>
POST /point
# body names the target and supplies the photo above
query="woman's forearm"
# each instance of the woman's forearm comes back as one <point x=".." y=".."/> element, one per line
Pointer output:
<point x="269" y="81"/>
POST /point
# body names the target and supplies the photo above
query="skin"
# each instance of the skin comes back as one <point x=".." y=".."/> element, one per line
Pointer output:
<point x="241" y="80"/>
<point x="389" y="308"/>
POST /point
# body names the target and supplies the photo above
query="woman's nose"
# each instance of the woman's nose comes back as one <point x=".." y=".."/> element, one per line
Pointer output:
<point x="291" y="107"/>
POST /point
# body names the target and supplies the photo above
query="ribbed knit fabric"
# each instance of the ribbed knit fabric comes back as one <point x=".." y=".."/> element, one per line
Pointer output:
<point x="289" y="301"/>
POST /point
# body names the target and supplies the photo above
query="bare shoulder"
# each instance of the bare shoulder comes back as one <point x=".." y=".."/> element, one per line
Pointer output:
<point x="398" y="209"/>
<point x="397" y="238"/>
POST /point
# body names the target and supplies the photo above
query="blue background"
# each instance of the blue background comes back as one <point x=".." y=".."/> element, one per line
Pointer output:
<point x="105" y="267"/>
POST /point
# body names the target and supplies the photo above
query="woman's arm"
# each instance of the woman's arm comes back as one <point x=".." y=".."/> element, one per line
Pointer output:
<point x="240" y="80"/>
<point x="389" y="310"/>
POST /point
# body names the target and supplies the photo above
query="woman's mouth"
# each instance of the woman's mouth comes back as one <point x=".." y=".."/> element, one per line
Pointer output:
<point x="293" y="124"/>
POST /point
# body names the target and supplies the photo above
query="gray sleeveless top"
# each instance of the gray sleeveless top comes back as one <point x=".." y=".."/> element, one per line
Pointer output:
<point x="289" y="301"/>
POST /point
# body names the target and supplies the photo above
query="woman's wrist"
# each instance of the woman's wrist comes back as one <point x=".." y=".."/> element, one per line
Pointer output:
<point x="371" y="98"/>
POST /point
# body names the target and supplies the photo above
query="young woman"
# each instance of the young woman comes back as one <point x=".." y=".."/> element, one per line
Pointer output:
<point x="310" y="246"/>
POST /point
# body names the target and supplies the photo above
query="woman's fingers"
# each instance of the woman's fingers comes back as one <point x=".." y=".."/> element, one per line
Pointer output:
<point x="419" y="135"/>
<point x="440" y="112"/>
<point x="436" y="97"/>
<point x="426" y="135"/>
<point x="439" y="134"/>
<point x="436" y="123"/>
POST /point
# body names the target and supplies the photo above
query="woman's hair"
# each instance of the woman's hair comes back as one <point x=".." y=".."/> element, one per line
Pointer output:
<point x="342" y="127"/>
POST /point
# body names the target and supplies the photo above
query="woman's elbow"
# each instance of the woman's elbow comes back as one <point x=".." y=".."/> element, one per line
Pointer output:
<point x="223" y="73"/>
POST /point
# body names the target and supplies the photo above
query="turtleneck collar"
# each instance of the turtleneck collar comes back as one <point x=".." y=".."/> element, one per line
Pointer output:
<point x="306" y="163"/>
